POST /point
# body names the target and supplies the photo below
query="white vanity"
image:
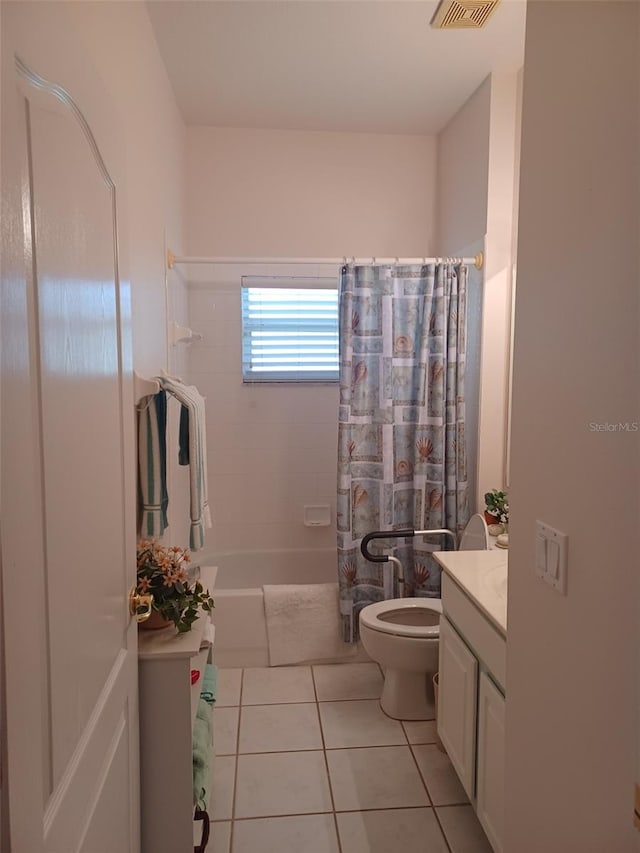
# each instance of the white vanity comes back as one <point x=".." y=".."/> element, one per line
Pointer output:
<point x="472" y="678"/>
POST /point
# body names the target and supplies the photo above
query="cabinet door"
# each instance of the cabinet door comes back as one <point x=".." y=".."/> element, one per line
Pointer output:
<point x="490" y="771"/>
<point x="457" y="703"/>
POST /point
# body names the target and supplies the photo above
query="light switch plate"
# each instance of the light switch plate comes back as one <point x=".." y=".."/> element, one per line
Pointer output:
<point x="551" y="556"/>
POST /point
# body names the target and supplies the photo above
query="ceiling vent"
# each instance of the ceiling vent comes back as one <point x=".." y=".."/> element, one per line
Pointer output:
<point x="463" y="14"/>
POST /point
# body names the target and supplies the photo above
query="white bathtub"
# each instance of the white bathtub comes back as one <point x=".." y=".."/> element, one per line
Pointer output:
<point x="241" y="630"/>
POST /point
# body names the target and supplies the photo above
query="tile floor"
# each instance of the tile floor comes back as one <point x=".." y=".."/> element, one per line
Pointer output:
<point x="306" y="762"/>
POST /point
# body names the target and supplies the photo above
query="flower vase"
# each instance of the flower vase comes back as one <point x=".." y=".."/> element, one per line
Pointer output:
<point x="155" y="622"/>
<point x="490" y="518"/>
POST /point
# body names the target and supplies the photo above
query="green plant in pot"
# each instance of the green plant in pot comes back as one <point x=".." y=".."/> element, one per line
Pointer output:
<point x="497" y="507"/>
<point x="162" y="572"/>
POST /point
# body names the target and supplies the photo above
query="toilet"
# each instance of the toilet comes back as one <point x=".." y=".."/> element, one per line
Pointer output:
<point x="401" y="634"/>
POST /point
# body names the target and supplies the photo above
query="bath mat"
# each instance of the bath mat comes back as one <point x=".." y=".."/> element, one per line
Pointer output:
<point x="302" y="625"/>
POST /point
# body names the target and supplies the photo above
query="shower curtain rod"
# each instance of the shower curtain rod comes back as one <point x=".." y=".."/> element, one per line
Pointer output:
<point x="476" y="260"/>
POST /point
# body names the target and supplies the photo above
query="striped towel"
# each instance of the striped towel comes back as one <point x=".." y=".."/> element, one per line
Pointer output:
<point x="152" y="465"/>
<point x="192" y="400"/>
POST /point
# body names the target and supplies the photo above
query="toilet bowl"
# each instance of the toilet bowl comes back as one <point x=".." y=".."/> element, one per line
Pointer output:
<point x="402" y="635"/>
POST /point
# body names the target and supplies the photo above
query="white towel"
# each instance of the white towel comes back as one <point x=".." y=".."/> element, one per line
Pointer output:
<point x="191" y="398"/>
<point x="303" y="625"/>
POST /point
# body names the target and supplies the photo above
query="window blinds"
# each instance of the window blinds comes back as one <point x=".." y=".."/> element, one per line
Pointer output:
<point x="289" y="329"/>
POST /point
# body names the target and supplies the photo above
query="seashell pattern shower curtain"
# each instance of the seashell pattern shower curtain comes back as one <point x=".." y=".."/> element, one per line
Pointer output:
<point x="401" y="431"/>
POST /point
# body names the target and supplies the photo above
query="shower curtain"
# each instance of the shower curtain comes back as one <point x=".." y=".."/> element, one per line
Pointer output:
<point x="401" y="430"/>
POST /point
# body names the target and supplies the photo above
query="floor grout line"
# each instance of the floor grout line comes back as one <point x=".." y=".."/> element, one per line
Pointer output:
<point x="340" y="811"/>
<point x="444" y="834"/>
<point x="326" y="763"/>
<point x="235" y="775"/>
<point x="424" y="781"/>
<point x="323" y="749"/>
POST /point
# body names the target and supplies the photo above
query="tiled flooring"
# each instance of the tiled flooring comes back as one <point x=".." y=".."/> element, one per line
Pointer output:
<point x="306" y="762"/>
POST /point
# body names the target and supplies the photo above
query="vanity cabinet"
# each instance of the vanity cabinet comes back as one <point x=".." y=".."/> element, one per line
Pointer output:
<point x="168" y="705"/>
<point x="471" y="704"/>
<point x="458" y="680"/>
<point x="490" y="761"/>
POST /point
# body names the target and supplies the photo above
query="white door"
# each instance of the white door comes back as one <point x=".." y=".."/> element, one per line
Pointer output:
<point x="458" y="678"/>
<point x="68" y="500"/>
<point x="490" y="788"/>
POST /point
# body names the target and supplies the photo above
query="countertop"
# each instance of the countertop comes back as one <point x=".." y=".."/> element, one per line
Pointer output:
<point x="482" y="576"/>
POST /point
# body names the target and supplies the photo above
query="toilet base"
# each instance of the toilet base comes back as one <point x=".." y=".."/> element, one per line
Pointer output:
<point x="408" y="695"/>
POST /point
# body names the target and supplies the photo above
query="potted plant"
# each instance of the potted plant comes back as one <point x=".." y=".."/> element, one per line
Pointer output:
<point x="497" y="507"/>
<point x="162" y="572"/>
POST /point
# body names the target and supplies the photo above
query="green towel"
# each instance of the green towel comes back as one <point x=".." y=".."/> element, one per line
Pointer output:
<point x="209" y="680"/>
<point x="202" y="753"/>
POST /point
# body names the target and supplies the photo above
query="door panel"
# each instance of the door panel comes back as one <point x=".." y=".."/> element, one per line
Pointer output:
<point x="74" y="240"/>
<point x="78" y="651"/>
<point x="490" y="805"/>
<point x="458" y="678"/>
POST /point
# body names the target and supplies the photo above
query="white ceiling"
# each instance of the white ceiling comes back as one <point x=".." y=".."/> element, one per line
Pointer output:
<point x="371" y="66"/>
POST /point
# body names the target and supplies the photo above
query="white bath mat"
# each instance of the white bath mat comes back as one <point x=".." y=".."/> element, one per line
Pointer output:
<point x="303" y="626"/>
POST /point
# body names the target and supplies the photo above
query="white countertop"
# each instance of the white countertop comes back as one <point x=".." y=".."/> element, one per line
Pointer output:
<point x="482" y="576"/>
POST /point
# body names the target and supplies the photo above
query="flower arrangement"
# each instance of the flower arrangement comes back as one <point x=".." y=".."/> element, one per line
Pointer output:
<point x="497" y="504"/>
<point x="162" y="573"/>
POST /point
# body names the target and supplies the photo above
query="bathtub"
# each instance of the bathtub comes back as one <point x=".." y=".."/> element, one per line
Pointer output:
<point x="241" y="629"/>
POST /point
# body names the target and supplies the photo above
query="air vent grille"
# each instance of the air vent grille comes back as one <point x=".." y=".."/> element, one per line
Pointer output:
<point x="463" y="14"/>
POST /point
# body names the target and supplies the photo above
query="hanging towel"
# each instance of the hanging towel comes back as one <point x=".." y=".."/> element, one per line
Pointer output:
<point x="210" y="677"/>
<point x="303" y="624"/>
<point x="192" y="400"/>
<point x="202" y="754"/>
<point x="152" y="465"/>
<point x="183" y="436"/>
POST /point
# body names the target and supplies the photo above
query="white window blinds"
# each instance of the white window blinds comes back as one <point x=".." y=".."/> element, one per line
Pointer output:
<point x="289" y="329"/>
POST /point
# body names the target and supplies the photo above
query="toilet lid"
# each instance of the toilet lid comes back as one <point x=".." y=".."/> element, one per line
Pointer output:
<point x="404" y="617"/>
<point x="475" y="536"/>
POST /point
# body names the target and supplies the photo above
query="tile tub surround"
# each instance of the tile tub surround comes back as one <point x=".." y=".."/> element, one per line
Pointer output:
<point x="306" y="762"/>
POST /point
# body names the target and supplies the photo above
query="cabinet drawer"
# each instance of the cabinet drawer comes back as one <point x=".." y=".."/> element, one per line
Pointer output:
<point x="488" y="644"/>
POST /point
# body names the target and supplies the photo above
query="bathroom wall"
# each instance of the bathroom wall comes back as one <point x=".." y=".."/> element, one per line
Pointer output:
<point x="573" y="660"/>
<point x="309" y="194"/>
<point x="463" y="173"/>
<point x="272" y="449"/>
<point x="476" y="183"/>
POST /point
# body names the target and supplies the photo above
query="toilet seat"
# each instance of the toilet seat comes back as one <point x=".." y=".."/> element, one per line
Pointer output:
<point x="373" y="617"/>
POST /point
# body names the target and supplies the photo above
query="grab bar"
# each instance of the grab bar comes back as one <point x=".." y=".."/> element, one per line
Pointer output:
<point x="397" y="534"/>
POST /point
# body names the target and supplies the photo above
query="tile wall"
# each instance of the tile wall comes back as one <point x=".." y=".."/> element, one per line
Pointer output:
<point x="271" y="449"/>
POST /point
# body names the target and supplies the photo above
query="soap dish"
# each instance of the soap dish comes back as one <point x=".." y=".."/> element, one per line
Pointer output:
<point x="317" y="515"/>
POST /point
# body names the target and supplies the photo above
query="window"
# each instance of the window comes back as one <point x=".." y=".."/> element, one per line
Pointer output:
<point x="289" y="329"/>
